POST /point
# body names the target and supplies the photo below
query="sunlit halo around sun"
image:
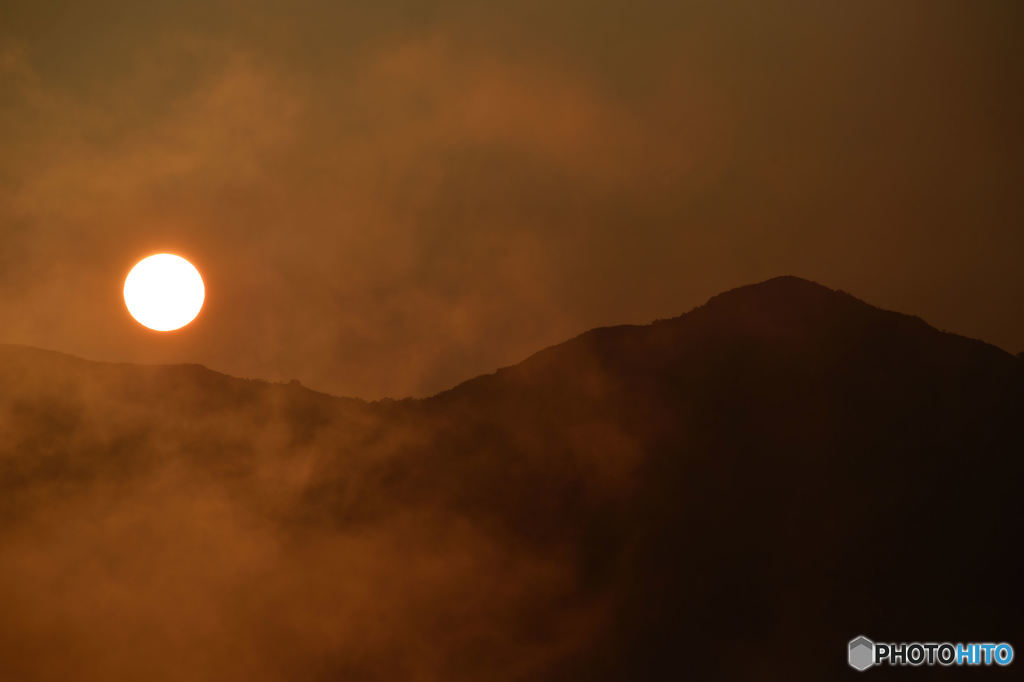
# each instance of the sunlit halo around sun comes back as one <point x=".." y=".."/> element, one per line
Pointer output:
<point x="164" y="292"/>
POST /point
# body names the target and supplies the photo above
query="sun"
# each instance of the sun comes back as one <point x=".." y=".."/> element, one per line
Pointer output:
<point x="164" y="292"/>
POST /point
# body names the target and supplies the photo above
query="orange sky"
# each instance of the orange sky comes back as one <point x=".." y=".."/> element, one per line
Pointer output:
<point x="387" y="200"/>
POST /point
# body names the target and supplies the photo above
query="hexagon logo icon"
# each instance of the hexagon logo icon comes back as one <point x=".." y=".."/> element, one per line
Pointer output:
<point x="861" y="653"/>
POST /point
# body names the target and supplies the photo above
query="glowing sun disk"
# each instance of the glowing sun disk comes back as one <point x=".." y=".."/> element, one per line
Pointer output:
<point x="164" y="292"/>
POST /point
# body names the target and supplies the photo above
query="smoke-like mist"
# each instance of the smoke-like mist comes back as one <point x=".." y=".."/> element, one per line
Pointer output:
<point x="172" y="523"/>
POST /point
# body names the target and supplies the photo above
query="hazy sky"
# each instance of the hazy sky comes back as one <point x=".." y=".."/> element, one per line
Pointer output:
<point x="387" y="198"/>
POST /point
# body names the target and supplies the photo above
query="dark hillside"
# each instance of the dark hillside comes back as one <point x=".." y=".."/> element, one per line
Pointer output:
<point x="778" y="470"/>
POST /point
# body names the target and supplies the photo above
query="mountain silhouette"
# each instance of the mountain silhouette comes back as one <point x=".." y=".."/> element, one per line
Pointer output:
<point x="730" y="494"/>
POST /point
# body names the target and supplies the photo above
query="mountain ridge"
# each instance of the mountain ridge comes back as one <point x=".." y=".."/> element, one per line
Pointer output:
<point x="738" y="298"/>
<point x="771" y="467"/>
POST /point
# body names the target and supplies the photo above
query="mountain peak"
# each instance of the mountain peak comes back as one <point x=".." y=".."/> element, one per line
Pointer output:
<point x="781" y="282"/>
<point x="786" y="291"/>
